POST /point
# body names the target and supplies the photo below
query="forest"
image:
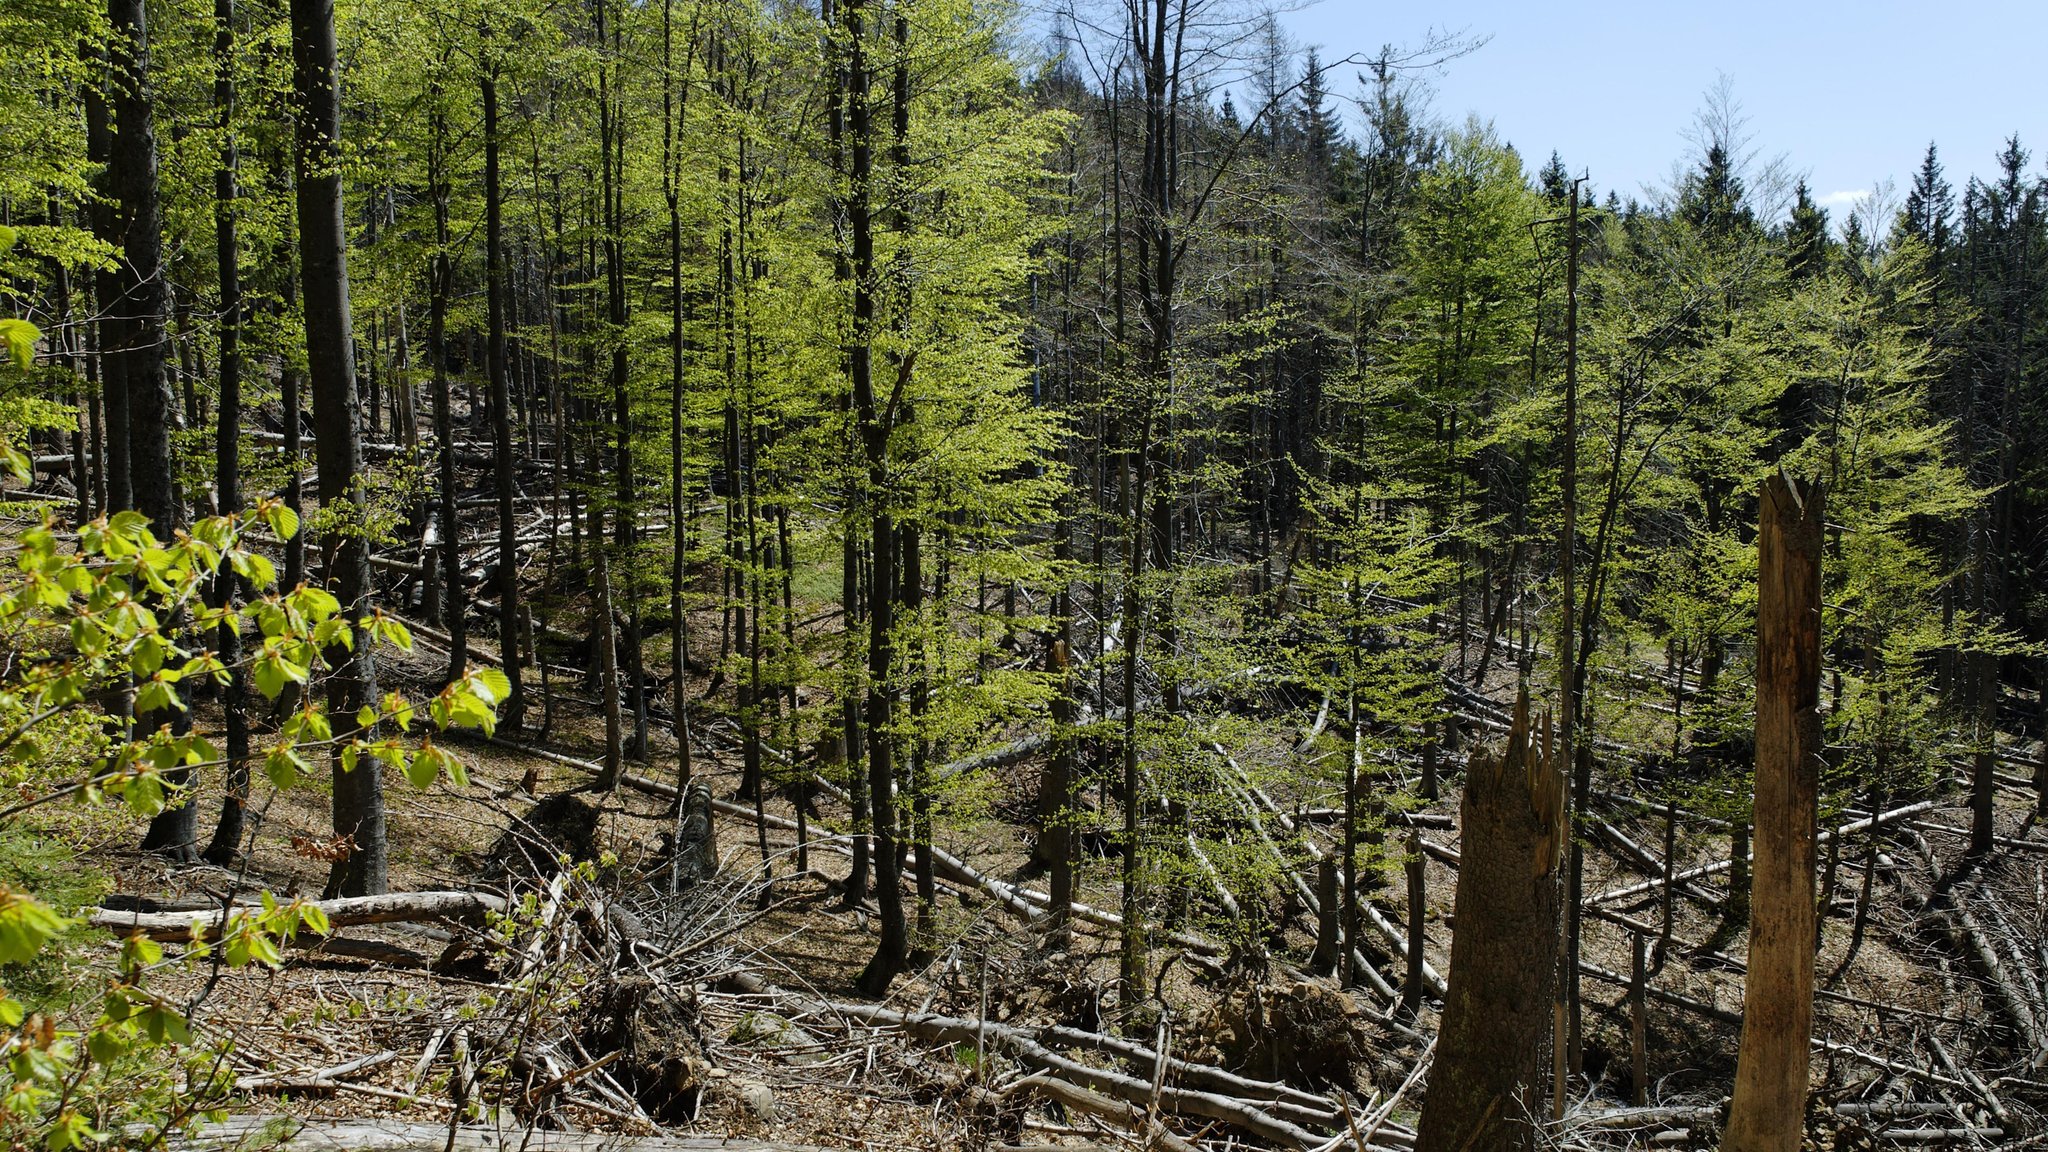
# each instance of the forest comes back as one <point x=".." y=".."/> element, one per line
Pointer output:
<point x="790" y="575"/>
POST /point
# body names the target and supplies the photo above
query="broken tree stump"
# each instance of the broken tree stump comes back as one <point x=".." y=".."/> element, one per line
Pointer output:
<point x="1777" y="998"/>
<point x="1487" y="1084"/>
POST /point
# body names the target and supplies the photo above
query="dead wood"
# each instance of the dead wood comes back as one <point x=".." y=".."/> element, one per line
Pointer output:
<point x="348" y="912"/>
<point x="290" y="1134"/>
<point x="1852" y="828"/>
<point x="1080" y="1099"/>
<point x="1277" y="1120"/>
<point x="1489" y="1074"/>
<point x="1950" y="910"/>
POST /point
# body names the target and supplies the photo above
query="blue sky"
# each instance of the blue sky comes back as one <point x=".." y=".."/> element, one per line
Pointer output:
<point x="1850" y="93"/>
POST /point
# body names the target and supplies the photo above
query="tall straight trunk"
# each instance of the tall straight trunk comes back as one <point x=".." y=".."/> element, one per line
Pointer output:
<point x="850" y="539"/>
<point x="1152" y="26"/>
<point x="227" y="440"/>
<point x="675" y="106"/>
<point x="65" y="343"/>
<point x="142" y="307"/>
<point x="1132" y="948"/>
<point x="108" y="289"/>
<point x="910" y="588"/>
<point x="292" y="391"/>
<point x="612" y="137"/>
<point x="1055" y="847"/>
<point x="95" y="418"/>
<point x="850" y="715"/>
<point x="789" y="702"/>
<point x="1573" y="1047"/>
<point x="1347" y="917"/>
<point x="607" y="660"/>
<point x="514" y="713"/>
<point x="1772" y="1066"/>
<point x="441" y="278"/>
<point x="330" y="355"/>
<point x="892" y="950"/>
<point x="910" y="593"/>
<point x="751" y="691"/>
<point x="1984" y="763"/>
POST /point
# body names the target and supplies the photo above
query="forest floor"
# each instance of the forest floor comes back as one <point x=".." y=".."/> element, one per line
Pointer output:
<point x="1918" y="1038"/>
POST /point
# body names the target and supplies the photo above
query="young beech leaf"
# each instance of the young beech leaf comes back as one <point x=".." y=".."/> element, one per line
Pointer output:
<point x="25" y="925"/>
<point x="282" y="520"/>
<point x="424" y="768"/>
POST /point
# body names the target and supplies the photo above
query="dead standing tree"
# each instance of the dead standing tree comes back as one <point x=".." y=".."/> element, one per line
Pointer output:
<point x="1777" y="998"/>
<point x="1490" y="1072"/>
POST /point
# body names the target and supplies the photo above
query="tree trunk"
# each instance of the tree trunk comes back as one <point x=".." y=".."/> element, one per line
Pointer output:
<point x="1055" y="848"/>
<point x="1486" y="1089"/>
<point x="514" y="713"/>
<point x="108" y="288"/>
<point x="1777" y="999"/>
<point x="141" y="308"/>
<point x="607" y="665"/>
<point x="330" y="355"/>
<point x="227" y="441"/>
<point x="453" y="611"/>
<point x="675" y="106"/>
<point x="1131" y="945"/>
<point x="892" y="950"/>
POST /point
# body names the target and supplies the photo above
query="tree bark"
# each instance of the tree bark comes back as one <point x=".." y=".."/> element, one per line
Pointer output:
<point x="227" y="440"/>
<point x="451" y="611"/>
<point x="1777" y="1022"/>
<point x="330" y="357"/>
<point x="1486" y="1090"/>
<point x="107" y="287"/>
<point x="514" y="713"/>
<point x="892" y="949"/>
<point x="142" y="308"/>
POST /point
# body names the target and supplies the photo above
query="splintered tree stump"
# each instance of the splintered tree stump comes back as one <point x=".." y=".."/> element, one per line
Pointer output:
<point x="1777" y="997"/>
<point x="1487" y="1084"/>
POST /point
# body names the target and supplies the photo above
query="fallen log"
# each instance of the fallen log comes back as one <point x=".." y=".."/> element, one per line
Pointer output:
<point x="1245" y="792"/>
<point x="1276" y="1121"/>
<point x="1022" y="901"/>
<point x="1952" y="913"/>
<point x="1850" y="829"/>
<point x="325" y="1079"/>
<point x="290" y="1134"/>
<point x="347" y="912"/>
<point x="1079" y="1099"/>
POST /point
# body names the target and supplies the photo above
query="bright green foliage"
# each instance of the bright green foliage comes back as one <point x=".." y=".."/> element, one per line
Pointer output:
<point x="86" y="611"/>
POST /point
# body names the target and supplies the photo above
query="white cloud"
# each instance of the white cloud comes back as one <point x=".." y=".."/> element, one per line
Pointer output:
<point x="1848" y="199"/>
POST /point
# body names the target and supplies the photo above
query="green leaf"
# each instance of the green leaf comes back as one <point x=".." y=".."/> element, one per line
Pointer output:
<point x="19" y="338"/>
<point x="106" y="1045"/>
<point x="494" y="685"/>
<point x="272" y="672"/>
<point x="26" y="924"/>
<point x="395" y="632"/>
<point x="69" y="1131"/>
<point x="283" y="766"/>
<point x="424" y="768"/>
<point x="282" y="520"/>
<point x="156" y="696"/>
